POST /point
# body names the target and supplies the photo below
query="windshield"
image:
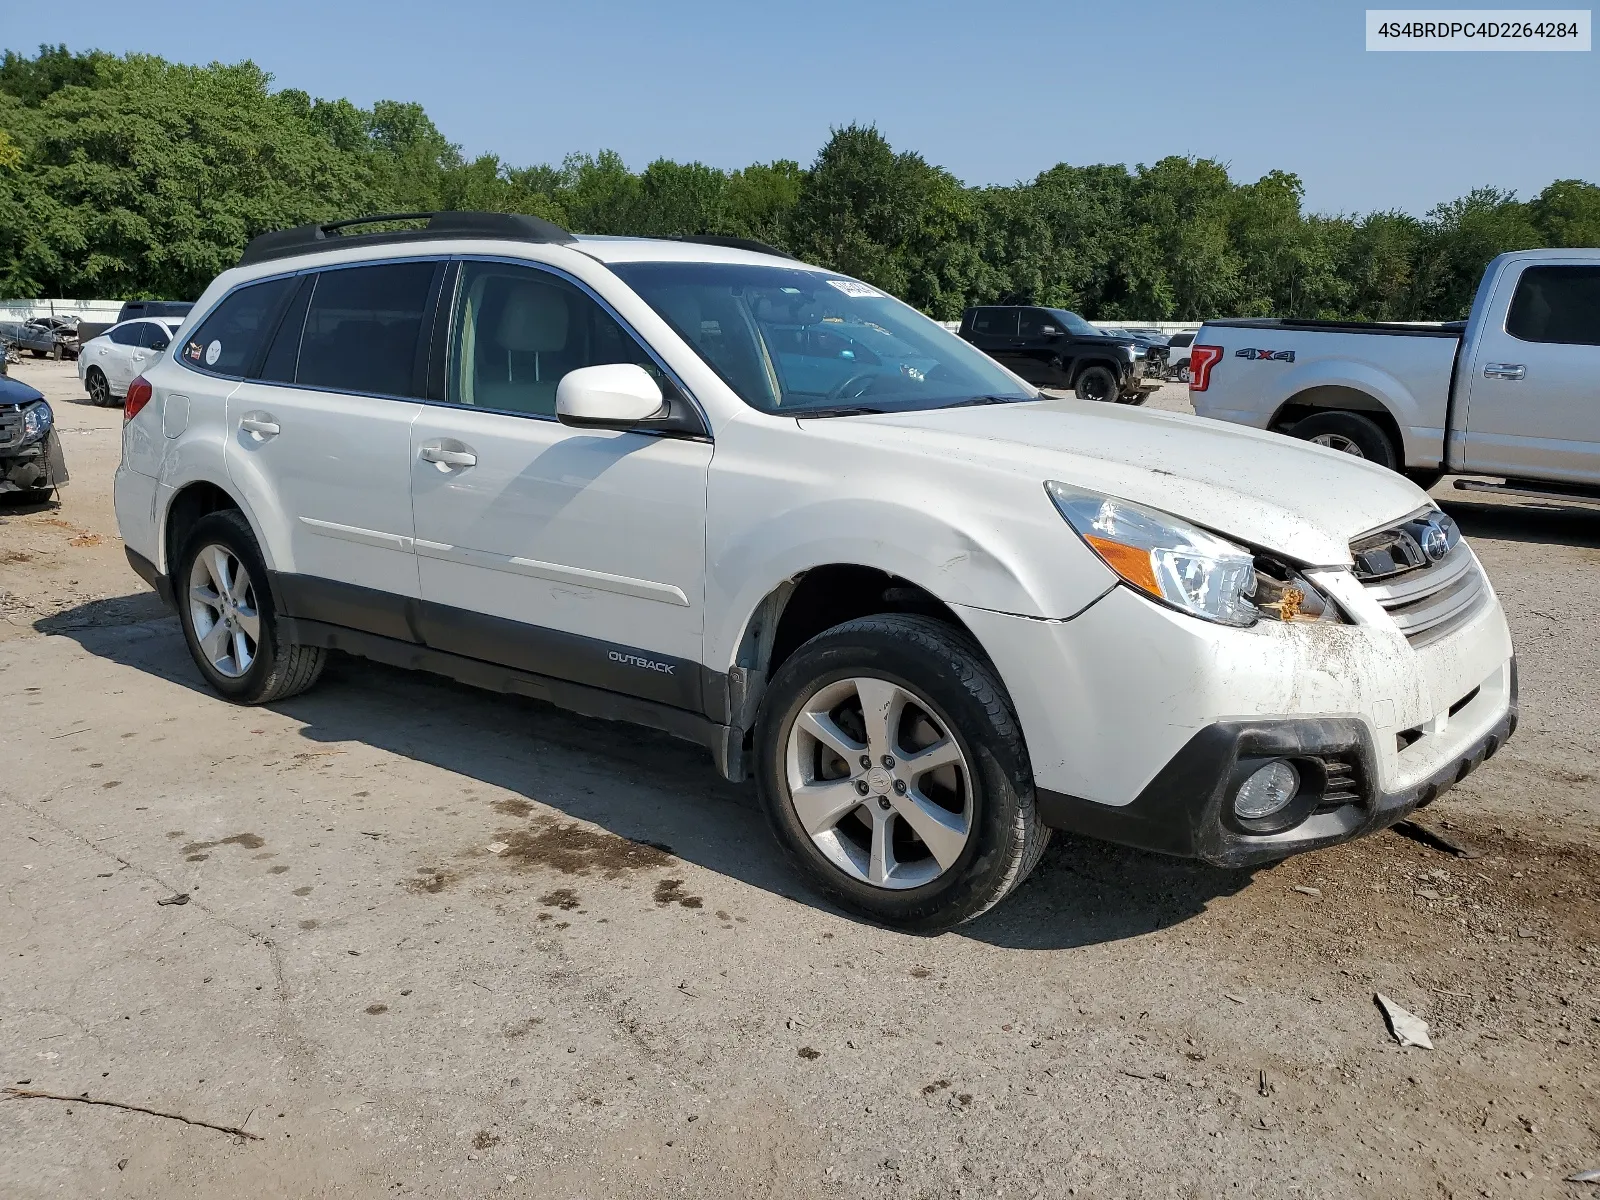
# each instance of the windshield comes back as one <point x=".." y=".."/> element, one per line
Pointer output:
<point x="1075" y="324"/>
<point x="794" y="340"/>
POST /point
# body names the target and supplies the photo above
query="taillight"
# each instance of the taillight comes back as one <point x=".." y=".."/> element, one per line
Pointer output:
<point x="1201" y="360"/>
<point x="139" y="393"/>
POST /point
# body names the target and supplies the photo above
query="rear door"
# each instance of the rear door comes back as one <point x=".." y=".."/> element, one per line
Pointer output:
<point x="1533" y="404"/>
<point x="994" y="331"/>
<point x="116" y="358"/>
<point x="320" y="437"/>
<point x="574" y="553"/>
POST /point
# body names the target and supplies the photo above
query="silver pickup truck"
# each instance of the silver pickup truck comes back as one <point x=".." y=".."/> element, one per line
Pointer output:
<point x="1513" y="393"/>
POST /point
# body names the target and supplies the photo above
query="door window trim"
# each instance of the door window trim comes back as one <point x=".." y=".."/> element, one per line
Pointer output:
<point x="444" y="330"/>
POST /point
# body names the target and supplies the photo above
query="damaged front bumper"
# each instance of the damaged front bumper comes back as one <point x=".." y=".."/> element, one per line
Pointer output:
<point x="1186" y="810"/>
<point x="38" y="466"/>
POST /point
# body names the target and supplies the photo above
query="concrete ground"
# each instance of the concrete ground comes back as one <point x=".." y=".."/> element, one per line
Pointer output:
<point x="636" y="998"/>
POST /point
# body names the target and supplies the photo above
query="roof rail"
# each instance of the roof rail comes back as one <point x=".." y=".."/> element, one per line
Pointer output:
<point x="330" y="235"/>
<point x="733" y="243"/>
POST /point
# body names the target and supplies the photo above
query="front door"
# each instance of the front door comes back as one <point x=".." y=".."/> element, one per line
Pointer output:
<point x="322" y="435"/>
<point x="1533" y="402"/>
<point x="573" y="553"/>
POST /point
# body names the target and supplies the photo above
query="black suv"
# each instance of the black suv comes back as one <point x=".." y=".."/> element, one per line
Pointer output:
<point x="1053" y="348"/>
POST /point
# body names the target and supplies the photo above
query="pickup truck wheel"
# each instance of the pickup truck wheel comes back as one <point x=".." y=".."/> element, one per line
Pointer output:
<point x="894" y="774"/>
<point x="1349" y="433"/>
<point x="228" y="618"/>
<point x="1096" y="383"/>
<point x="94" y="382"/>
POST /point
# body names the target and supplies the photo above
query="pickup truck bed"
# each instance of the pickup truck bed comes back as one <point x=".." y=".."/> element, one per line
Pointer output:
<point x="1513" y="392"/>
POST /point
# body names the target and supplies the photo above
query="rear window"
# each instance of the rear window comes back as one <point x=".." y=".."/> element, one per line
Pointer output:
<point x="362" y="328"/>
<point x="227" y="342"/>
<point x="1557" y="304"/>
<point x="1181" y="339"/>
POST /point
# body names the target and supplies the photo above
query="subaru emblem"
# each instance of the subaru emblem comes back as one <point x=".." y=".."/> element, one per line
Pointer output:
<point x="1435" y="541"/>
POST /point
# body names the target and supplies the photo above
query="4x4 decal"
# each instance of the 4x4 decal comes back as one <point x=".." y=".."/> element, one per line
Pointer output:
<point x="1264" y="355"/>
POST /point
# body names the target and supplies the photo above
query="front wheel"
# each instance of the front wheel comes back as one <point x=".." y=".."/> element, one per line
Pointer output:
<point x="1097" y="383"/>
<point x="1349" y="433"/>
<point x="893" y="771"/>
<point x="229" y="620"/>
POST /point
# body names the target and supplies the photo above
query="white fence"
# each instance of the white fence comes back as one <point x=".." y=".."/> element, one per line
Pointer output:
<point x="88" y="310"/>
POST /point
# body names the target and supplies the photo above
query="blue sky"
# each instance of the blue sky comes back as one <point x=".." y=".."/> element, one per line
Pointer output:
<point x="995" y="93"/>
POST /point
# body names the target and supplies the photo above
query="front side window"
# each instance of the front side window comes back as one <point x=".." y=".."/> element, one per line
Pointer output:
<point x="746" y="322"/>
<point x="125" y="335"/>
<point x="1035" y="323"/>
<point x="362" y="326"/>
<point x="227" y="341"/>
<point x="1557" y="304"/>
<point x="516" y="331"/>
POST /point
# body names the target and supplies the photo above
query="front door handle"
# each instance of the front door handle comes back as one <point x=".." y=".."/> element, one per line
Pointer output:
<point x="449" y="458"/>
<point x="262" y="427"/>
<point x="1504" y="371"/>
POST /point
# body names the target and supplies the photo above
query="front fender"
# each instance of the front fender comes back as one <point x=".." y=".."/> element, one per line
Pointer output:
<point x="959" y="560"/>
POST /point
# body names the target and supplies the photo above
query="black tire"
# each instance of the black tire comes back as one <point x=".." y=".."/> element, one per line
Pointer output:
<point x="279" y="669"/>
<point x="949" y="676"/>
<point x="1096" y="383"/>
<point x="98" y="387"/>
<point x="1351" y="433"/>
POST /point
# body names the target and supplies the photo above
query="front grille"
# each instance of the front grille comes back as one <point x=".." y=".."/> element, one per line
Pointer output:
<point x="1422" y="575"/>
<point x="10" y="430"/>
<point x="1429" y="603"/>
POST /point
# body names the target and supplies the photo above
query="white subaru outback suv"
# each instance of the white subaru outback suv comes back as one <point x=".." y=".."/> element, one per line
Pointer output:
<point x="697" y="485"/>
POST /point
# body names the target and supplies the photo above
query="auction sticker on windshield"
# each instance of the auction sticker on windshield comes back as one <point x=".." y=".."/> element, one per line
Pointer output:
<point x="1477" y="29"/>
<point x="851" y="288"/>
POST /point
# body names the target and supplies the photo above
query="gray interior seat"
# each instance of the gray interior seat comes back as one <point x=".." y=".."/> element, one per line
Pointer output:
<point x="518" y="368"/>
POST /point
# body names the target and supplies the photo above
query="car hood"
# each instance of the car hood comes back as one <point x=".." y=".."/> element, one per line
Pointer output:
<point x="1264" y="489"/>
<point x="14" y="391"/>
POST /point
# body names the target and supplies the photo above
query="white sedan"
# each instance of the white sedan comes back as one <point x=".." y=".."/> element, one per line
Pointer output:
<point x="109" y="363"/>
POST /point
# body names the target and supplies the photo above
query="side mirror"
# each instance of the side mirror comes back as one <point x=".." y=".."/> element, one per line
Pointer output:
<point x="615" y="396"/>
<point x="160" y="344"/>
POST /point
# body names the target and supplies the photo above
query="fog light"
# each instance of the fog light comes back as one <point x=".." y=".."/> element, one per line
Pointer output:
<point x="1267" y="791"/>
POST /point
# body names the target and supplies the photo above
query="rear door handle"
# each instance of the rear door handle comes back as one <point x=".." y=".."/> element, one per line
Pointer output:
<point x="262" y="428"/>
<point x="449" y="458"/>
<point x="1504" y="371"/>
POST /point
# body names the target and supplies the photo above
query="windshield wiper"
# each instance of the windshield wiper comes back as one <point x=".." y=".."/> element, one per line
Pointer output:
<point x="852" y="410"/>
<point x="972" y="400"/>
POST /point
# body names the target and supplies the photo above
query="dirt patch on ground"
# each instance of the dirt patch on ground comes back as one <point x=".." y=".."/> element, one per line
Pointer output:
<point x="575" y="849"/>
<point x="512" y="806"/>
<point x="249" y="841"/>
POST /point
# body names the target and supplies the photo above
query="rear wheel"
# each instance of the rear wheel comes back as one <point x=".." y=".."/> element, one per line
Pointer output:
<point x="1097" y="383"/>
<point x="95" y="383"/>
<point x="893" y="771"/>
<point x="228" y="617"/>
<point x="1349" y="433"/>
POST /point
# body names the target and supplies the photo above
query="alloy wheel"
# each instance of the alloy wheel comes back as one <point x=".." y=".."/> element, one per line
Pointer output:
<point x="879" y="782"/>
<point x="1337" y="441"/>
<point x="222" y="609"/>
<point x="99" y="391"/>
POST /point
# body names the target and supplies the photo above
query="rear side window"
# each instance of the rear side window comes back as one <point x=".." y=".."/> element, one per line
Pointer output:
<point x="362" y="327"/>
<point x="1557" y="304"/>
<point x="995" y="322"/>
<point x="227" y="342"/>
<point x="1179" y="340"/>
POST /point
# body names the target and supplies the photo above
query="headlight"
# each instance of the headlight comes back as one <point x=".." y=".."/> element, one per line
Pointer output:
<point x="1186" y="567"/>
<point x="36" y="422"/>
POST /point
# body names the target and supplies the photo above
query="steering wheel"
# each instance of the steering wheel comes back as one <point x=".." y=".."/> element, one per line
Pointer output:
<point x="853" y="387"/>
